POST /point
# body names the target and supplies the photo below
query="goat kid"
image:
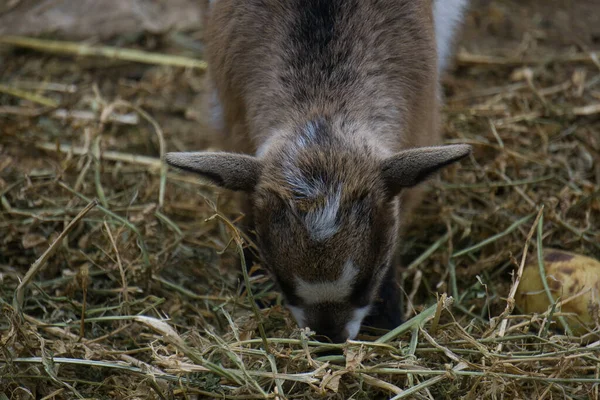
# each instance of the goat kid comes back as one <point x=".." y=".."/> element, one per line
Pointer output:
<point x="329" y="112"/>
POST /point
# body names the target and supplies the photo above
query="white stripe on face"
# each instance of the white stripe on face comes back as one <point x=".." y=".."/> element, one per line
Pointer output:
<point x="353" y="326"/>
<point x="321" y="223"/>
<point x="333" y="291"/>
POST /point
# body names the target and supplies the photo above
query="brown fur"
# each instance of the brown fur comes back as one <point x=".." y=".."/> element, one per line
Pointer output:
<point x="391" y="45"/>
<point x="329" y="92"/>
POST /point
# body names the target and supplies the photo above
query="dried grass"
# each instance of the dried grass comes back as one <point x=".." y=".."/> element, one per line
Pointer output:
<point x="136" y="294"/>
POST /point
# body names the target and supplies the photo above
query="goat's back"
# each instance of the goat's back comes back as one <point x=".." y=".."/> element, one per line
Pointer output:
<point x="277" y="63"/>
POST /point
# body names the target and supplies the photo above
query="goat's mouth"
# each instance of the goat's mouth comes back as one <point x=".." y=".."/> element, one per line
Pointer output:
<point x="327" y="330"/>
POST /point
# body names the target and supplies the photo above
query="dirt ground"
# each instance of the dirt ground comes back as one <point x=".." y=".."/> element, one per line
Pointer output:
<point x="143" y="299"/>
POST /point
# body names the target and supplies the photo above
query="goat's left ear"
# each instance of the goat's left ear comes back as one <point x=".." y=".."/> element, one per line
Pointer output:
<point x="411" y="167"/>
<point x="227" y="170"/>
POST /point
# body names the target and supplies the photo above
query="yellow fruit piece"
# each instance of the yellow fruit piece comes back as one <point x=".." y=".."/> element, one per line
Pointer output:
<point x="567" y="275"/>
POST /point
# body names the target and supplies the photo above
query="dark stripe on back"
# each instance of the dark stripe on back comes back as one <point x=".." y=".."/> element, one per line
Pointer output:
<point x="318" y="57"/>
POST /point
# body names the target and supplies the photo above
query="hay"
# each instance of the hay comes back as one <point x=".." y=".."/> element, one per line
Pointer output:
<point x="136" y="294"/>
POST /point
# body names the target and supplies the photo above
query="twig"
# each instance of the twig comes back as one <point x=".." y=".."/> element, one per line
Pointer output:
<point x="97" y="171"/>
<point x="464" y="57"/>
<point x="44" y="86"/>
<point x="118" y="365"/>
<point x="78" y="49"/>
<point x="427" y="253"/>
<point x="61" y="113"/>
<point x="590" y="109"/>
<point x="495" y="133"/>
<point x="84" y="115"/>
<point x="35" y="98"/>
<point x="538" y="378"/>
<point x="492" y="239"/>
<point x="106" y="155"/>
<point x="418" y="320"/>
<point x="510" y="300"/>
<point x="438" y="312"/>
<point x="491" y="185"/>
<point x="153" y="163"/>
<point x="162" y="147"/>
<point x="121" y="270"/>
<point x="84" y="280"/>
<point x="430" y="382"/>
<point x="240" y="247"/>
<point x="370" y="380"/>
<point x="438" y="346"/>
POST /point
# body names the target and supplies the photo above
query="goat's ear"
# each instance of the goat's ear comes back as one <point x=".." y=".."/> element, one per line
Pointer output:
<point x="231" y="171"/>
<point x="411" y="167"/>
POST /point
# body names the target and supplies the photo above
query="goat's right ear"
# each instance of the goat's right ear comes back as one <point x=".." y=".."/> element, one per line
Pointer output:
<point x="411" y="167"/>
<point x="231" y="171"/>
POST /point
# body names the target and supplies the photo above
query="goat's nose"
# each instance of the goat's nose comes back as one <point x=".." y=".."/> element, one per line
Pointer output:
<point x="339" y="338"/>
<point x="332" y="336"/>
